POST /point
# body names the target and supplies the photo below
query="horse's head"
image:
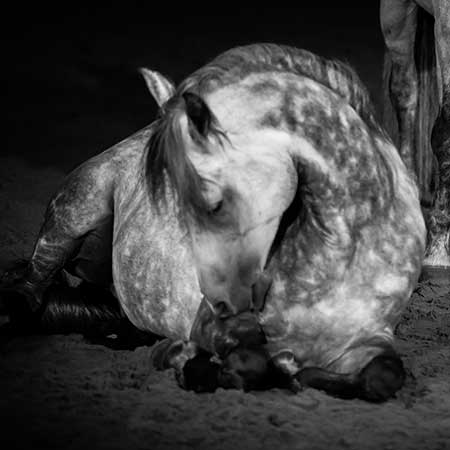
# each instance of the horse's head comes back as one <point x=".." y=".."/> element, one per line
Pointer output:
<point x="232" y="189"/>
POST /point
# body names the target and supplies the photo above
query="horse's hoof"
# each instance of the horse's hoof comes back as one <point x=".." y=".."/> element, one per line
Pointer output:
<point x="295" y="386"/>
<point x="159" y="354"/>
<point x="19" y="298"/>
<point x="169" y="354"/>
<point x="382" y="378"/>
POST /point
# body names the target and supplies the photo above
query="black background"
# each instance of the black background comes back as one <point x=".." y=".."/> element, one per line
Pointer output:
<point x="71" y="88"/>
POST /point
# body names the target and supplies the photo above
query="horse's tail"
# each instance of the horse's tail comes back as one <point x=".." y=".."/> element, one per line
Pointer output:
<point x="85" y="309"/>
<point x="427" y="104"/>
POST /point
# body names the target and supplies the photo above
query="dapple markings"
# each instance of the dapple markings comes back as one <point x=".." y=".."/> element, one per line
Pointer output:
<point x="275" y="162"/>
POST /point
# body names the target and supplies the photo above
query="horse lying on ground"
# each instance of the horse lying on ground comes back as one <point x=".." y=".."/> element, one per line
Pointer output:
<point x="265" y="218"/>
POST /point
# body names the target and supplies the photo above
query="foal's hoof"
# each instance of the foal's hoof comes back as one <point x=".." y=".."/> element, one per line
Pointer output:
<point x="168" y="354"/>
<point x="382" y="378"/>
<point x="200" y="374"/>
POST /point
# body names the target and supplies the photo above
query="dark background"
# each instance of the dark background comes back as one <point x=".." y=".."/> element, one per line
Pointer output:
<point x="70" y="83"/>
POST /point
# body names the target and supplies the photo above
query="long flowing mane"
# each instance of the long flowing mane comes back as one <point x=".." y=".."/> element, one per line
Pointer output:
<point x="167" y="149"/>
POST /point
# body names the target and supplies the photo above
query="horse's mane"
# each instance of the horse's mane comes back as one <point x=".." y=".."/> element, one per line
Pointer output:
<point x="167" y="155"/>
<point x="237" y="63"/>
<point x="167" y="152"/>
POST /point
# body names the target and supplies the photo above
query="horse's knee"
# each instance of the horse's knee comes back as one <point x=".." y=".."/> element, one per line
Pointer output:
<point x="382" y="377"/>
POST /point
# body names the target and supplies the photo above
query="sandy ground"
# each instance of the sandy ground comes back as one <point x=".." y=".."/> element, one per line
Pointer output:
<point x="63" y="392"/>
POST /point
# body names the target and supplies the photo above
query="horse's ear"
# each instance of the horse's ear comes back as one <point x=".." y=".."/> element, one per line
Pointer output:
<point x="159" y="86"/>
<point x="198" y="112"/>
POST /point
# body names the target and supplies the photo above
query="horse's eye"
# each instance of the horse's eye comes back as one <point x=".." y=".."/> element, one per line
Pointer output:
<point x="216" y="208"/>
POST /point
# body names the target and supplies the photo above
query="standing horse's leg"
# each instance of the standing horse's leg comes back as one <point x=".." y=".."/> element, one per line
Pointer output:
<point x="438" y="251"/>
<point x="398" y="24"/>
<point x="82" y="204"/>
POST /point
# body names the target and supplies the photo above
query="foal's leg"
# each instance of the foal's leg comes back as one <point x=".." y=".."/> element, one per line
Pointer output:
<point x="82" y="204"/>
<point x="398" y="23"/>
<point x="438" y="251"/>
<point x="226" y="353"/>
<point x="244" y="368"/>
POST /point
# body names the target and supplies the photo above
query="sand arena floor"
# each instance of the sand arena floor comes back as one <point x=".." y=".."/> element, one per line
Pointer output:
<point x="63" y="392"/>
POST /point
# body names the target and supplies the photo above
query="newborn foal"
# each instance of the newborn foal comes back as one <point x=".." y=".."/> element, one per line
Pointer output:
<point x="238" y="359"/>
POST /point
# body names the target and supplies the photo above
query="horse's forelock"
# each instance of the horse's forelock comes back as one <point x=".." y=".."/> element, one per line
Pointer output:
<point x="169" y="171"/>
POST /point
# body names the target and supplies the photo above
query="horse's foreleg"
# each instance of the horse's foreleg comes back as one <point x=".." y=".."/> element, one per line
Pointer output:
<point x="80" y="206"/>
<point x="398" y="23"/>
<point x="378" y="381"/>
<point x="50" y="253"/>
